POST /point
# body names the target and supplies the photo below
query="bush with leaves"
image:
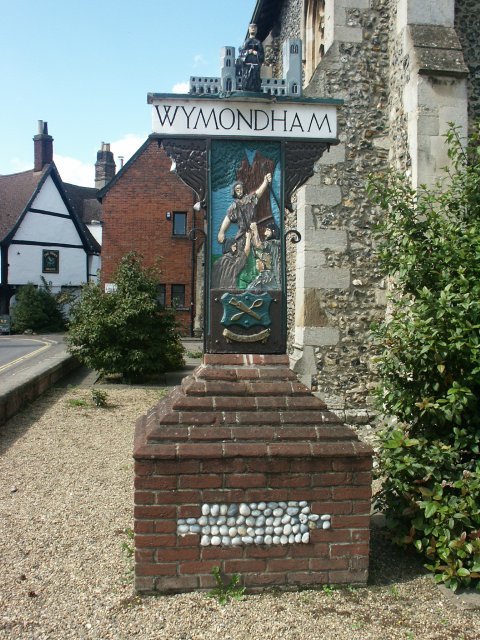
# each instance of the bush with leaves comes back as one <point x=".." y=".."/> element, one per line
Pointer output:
<point x="429" y="364"/>
<point x="126" y="331"/>
<point x="36" y="309"/>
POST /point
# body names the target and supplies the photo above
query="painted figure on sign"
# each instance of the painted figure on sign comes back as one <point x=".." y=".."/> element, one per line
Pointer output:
<point x="242" y="210"/>
<point x="227" y="268"/>
<point x="267" y="258"/>
<point x="252" y="56"/>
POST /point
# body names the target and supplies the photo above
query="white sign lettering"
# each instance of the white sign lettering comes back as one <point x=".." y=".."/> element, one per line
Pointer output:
<point x="312" y="120"/>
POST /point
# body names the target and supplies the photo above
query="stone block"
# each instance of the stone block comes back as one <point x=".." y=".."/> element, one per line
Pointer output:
<point x="329" y="195"/>
<point x="308" y="257"/>
<point x="353" y="4"/>
<point x="334" y="156"/>
<point x="327" y="277"/>
<point x="317" y="336"/>
<point x="428" y="125"/>
<point x="425" y="12"/>
<point x="334" y="239"/>
<point x="349" y="34"/>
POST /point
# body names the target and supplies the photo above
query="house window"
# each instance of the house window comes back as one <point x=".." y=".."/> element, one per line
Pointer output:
<point x="162" y="295"/>
<point x="178" y="296"/>
<point x="179" y="223"/>
<point x="50" y="261"/>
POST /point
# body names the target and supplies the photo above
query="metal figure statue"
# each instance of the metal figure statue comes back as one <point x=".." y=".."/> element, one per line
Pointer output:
<point x="252" y="57"/>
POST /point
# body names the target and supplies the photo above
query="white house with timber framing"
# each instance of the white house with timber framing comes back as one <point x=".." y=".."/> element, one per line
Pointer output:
<point x="42" y="236"/>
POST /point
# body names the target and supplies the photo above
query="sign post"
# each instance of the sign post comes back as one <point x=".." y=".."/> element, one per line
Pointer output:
<point x="252" y="151"/>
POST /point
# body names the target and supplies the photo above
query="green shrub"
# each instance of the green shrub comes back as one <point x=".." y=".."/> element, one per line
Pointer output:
<point x="125" y="332"/>
<point x="429" y="364"/>
<point x="36" y="310"/>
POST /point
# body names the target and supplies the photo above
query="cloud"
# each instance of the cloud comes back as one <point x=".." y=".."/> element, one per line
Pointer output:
<point x="181" y="87"/>
<point x="199" y="61"/>
<point x="19" y="165"/>
<point x="82" y="173"/>
<point x="75" y="171"/>
<point x="126" y="147"/>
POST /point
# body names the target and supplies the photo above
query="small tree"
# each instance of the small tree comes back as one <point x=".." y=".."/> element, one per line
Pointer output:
<point x="125" y="332"/>
<point x="429" y="364"/>
<point x="36" y="310"/>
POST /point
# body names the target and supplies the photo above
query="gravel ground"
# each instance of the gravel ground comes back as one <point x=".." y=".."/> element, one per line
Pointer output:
<point x="66" y="507"/>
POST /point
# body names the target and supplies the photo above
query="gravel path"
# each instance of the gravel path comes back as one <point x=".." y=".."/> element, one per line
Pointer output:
<point x="65" y="507"/>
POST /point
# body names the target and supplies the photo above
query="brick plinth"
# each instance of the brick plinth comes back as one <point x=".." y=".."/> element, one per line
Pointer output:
<point x="243" y="429"/>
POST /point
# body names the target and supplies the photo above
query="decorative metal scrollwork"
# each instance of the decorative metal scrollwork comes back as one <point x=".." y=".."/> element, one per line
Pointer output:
<point x="190" y="162"/>
<point x="300" y="158"/>
<point x="294" y="235"/>
<point x="193" y="233"/>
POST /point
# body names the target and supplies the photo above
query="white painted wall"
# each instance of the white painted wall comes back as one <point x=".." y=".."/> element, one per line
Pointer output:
<point x="26" y="261"/>
<point x="96" y="231"/>
<point x="25" y="265"/>
<point x="94" y="266"/>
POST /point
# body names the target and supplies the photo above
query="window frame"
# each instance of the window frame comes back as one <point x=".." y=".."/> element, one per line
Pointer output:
<point x="177" y="214"/>
<point x="173" y="296"/>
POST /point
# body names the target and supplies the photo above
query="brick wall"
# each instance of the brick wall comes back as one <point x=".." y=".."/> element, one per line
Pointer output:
<point x="241" y="430"/>
<point x="134" y="214"/>
<point x="171" y="489"/>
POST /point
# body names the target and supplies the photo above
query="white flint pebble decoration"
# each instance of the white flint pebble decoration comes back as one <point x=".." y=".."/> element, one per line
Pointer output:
<point x="254" y="523"/>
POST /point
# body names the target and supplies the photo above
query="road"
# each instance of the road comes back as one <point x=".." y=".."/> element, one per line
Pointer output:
<point x="16" y="352"/>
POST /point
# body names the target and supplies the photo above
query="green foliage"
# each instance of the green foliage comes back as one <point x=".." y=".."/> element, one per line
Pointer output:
<point x="77" y="402"/>
<point x="431" y="497"/>
<point x="429" y="364"/>
<point x="99" y="397"/>
<point x="194" y="354"/>
<point x="223" y="593"/>
<point x="36" y="310"/>
<point x="125" y="332"/>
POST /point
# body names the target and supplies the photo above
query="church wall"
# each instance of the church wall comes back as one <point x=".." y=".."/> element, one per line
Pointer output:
<point x="398" y="101"/>
<point x="338" y="289"/>
<point x="467" y="24"/>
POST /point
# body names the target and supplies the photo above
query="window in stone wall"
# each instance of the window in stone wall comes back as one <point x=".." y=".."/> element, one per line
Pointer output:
<point x="313" y="36"/>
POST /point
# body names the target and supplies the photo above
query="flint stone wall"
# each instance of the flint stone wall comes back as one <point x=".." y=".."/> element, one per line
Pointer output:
<point x="339" y="290"/>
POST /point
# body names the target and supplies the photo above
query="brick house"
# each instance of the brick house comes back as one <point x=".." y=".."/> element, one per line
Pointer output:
<point x="148" y="209"/>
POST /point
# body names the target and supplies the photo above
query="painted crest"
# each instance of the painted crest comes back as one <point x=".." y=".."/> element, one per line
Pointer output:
<point x="246" y="309"/>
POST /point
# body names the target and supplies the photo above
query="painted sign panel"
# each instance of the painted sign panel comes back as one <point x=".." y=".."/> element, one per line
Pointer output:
<point x="312" y="121"/>
<point x="246" y="270"/>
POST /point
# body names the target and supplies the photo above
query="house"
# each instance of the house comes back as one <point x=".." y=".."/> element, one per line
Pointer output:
<point x="148" y="209"/>
<point x="405" y="69"/>
<point x="42" y="234"/>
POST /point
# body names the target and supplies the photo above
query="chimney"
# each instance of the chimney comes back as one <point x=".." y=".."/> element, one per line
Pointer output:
<point x="104" y="166"/>
<point x="42" y="147"/>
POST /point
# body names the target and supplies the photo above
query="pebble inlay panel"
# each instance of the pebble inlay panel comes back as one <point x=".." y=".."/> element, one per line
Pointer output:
<point x="254" y="523"/>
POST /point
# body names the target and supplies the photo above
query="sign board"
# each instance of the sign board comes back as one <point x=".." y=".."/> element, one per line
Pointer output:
<point x="289" y="119"/>
<point x="5" y="324"/>
<point x="110" y="287"/>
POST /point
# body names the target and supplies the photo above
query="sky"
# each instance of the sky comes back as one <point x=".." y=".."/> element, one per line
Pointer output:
<point x="86" y="66"/>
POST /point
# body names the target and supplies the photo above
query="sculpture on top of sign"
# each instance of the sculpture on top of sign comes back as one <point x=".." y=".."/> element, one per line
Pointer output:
<point x="252" y="57"/>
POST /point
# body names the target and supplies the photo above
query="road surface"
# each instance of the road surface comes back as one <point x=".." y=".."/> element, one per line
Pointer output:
<point x="18" y="352"/>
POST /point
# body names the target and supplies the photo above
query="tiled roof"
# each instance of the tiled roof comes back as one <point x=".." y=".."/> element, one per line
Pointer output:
<point x="16" y="190"/>
<point x="84" y="201"/>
